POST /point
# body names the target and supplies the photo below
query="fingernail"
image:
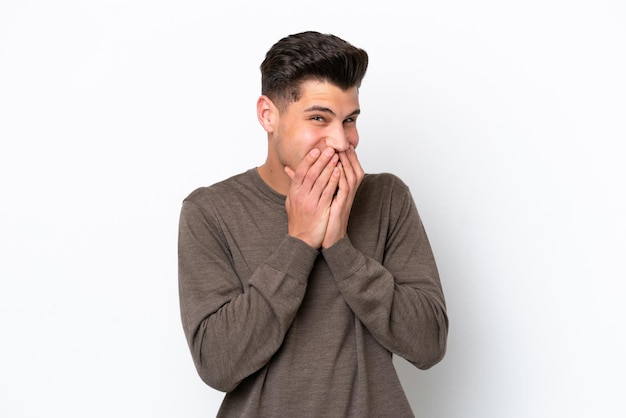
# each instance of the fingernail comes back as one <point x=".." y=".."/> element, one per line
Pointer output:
<point x="315" y="152"/>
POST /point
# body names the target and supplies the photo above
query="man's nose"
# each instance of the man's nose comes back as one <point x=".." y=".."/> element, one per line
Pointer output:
<point x="338" y="139"/>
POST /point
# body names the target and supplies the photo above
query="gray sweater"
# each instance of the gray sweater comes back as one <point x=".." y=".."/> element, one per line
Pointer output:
<point x="290" y="331"/>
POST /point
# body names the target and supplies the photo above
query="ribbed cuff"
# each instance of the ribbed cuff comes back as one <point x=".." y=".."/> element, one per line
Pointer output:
<point x="294" y="257"/>
<point x="343" y="259"/>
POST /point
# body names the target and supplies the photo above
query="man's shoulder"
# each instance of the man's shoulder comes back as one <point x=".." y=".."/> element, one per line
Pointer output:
<point x="379" y="182"/>
<point x="220" y="190"/>
<point x="382" y="190"/>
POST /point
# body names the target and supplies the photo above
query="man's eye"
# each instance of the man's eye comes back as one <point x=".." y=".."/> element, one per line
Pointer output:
<point x="318" y="118"/>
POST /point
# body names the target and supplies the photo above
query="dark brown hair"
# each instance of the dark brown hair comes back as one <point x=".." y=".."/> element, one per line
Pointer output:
<point x="310" y="56"/>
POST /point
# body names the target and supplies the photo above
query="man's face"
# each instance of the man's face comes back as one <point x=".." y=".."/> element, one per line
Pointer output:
<point x="325" y="116"/>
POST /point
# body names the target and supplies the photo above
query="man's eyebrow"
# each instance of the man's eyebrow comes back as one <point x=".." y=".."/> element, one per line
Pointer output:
<point x="317" y="108"/>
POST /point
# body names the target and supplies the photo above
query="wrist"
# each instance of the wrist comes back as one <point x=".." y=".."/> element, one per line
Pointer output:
<point x="327" y="243"/>
<point x="307" y="240"/>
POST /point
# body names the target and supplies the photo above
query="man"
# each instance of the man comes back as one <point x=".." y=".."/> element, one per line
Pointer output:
<point x="300" y="278"/>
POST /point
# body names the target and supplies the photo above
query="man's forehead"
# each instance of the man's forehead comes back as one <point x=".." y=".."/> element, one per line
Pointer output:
<point x="325" y="97"/>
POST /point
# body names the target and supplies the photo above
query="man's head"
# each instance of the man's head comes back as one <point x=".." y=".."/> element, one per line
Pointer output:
<point x="310" y="100"/>
<point x="310" y="56"/>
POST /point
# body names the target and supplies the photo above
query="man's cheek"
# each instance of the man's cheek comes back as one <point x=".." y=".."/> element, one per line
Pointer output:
<point x="301" y="156"/>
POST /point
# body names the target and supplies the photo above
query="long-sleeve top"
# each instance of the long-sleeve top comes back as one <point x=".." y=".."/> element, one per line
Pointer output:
<point x="292" y="331"/>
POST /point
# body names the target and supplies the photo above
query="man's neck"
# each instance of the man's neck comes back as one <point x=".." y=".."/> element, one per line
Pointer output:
<point x="275" y="177"/>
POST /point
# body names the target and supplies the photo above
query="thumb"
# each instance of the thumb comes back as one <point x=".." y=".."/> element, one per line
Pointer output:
<point x="289" y="172"/>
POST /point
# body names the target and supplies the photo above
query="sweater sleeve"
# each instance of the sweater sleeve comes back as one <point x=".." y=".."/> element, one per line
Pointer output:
<point x="400" y="301"/>
<point x="233" y="327"/>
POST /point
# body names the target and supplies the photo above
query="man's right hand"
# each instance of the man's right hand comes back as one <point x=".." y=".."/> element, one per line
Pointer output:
<point x="313" y="185"/>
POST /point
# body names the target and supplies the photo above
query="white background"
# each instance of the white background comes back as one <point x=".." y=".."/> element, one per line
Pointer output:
<point x="506" y="119"/>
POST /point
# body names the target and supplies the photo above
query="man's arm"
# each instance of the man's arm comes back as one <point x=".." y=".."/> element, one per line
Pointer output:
<point x="400" y="301"/>
<point x="234" y="329"/>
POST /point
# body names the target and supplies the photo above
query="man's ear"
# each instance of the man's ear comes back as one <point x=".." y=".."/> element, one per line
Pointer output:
<point x="267" y="113"/>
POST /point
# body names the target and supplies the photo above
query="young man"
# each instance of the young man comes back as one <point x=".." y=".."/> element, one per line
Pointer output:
<point x="300" y="278"/>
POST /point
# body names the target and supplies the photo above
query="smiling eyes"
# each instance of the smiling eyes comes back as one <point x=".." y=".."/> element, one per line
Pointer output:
<point x="322" y="119"/>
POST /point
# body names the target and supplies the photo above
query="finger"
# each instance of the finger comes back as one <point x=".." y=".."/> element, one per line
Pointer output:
<point x="352" y="166"/>
<point x="303" y="167"/>
<point x="322" y="180"/>
<point x="332" y="185"/>
<point x="348" y="168"/>
<point x="354" y="160"/>
<point x="318" y="173"/>
<point x="290" y="172"/>
<point x="343" y="184"/>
